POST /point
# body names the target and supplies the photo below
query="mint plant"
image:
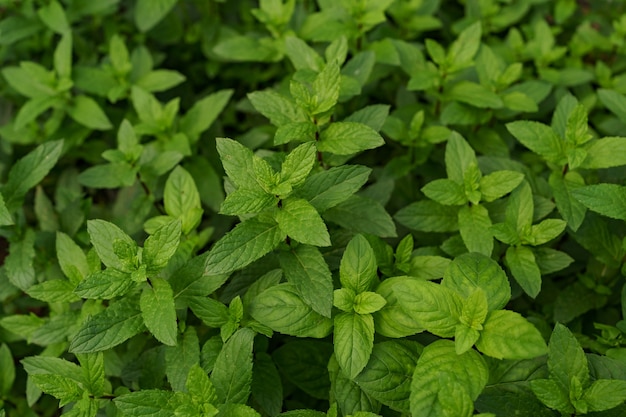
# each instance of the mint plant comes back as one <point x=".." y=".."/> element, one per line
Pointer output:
<point x="312" y="208"/>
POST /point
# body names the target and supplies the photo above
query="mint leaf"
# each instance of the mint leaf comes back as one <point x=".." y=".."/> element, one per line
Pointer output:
<point x="473" y="271"/>
<point x="459" y="157"/>
<point x="475" y="95"/>
<point x="368" y="302"/>
<point x="357" y="270"/>
<point x="606" y="199"/>
<point x="346" y="138"/>
<point x="446" y="192"/>
<point x="182" y="200"/>
<point x="353" y="340"/>
<point x="276" y="107"/>
<point x="149" y="402"/>
<point x="181" y="358"/>
<point x="431" y="305"/>
<point x="362" y="215"/>
<point x="232" y="373"/>
<point x="19" y="263"/>
<point x="429" y="216"/>
<point x="566" y="359"/>
<point x="8" y="370"/>
<point x="105" y="285"/>
<point x="92" y="365"/>
<point x="392" y="320"/>
<point x="604" y="394"/>
<point x="328" y="188"/>
<point x="237" y="162"/>
<point x="244" y="201"/>
<point x="474" y="226"/>
<point x="299" y="220"/>
<point x="116" y="324"/>
<point x="158" y="311"/>
<point x="605" y="153"/>
<point x="499" y="183"/>
<point x="106" y="238"/>
<point x="211" y="312"/>
<point x="540" y="139"/>
<point x="161" y="246"/>
<point x="298" y="164"/>
<point x="546" y="231"/>
<point x="283" y="310"/>
<point x="521" y="262"/>
<point x="148" y="13"/>
<point x="572" y="210"/>
<point x="507" y="335"/>
<point x="246" y="243"/>
<point x="306" y="268"/>
<point x="88" y="113"/>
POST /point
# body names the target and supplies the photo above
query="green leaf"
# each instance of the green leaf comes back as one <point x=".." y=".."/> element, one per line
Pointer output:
<point x="88" y="113"/>
<point x="346" y="138"/>
<point x="539" y="138"/>
<point x="18" y="264"/>
<point x="232" y="373"/>
<point x="276" y="107"/>
<point x="267" y="389"/>
<point x="92" y="365"/>
<point x="54" y="17"/>
<point x="149" y="402"/>
<point x="368" y="302"/>
<point x="474" y="226"/>
<point x="349" y="398"/>
<point x="507" y="335"/>
<point x="446" y="192"/>
<point x="343" y="299"/>
<point x="306" y="268"/>
<point x="161" y="246"/>
<point x="572" y="210"/>
<point x="387" y="375"/>
<point x="392" y="320"/>
<point x="472" y="271"/>
<point x="148" y="13"/>
<point x="244" y="201"/>
<point x="56" y="290"/>
<point x="353" y="340"/>
<point x="459" y="157"/>
<point x="464" y="338"/>
<point x="282" y="309"/>
<point x="158" y="311"/>
<point x="8" y="370"/>
<point x="464" y="48"/>
<point x="238" y="162"/>
<point x="440" y="372"/>
<point x="428" y="267"/>
<point x="433" y="306"/>
<point x="64" y="389"/>
<point x="32" y="109"/>
<point x="182" y="200"/>
<point x="298" y="164"/>
<point x="605" y="153"/>
<point x="566" y="359"/>
<point x="358" y="268"/>
<point x="475" y="95"/>
<point x="63" y="57"/>
<point x="160" y="80"/>
<point x="328" y="188"/>
<point x="299" y="220"/>
<point x="362" y="215"/>
<point x="521" y="262"/>
<point x="604" y="394"/>
<point x="120" y="321"/>
<point x="606" y="199"/>
<point x="113" y="175"/>
<point x="429" y="216"/>
<point x="29" y="171"/>
<point x="499" y="183"/>
<point x="246" y="243"/>
<point x="105" y="285"/>
<point x="211" y="312"/>
<point x="546" y="231"/>
<point x="326" y="87"/>
<point x="200" y="386"/>
<point x="203" y="113"/>
<point x="614" y="101"/>
<point x="301" y="55"/>
<point x="295" y="131"/>
<point x="181" y="358"/>
<point x="304" y="363"/>
<point x="105" y="237"/>
<point x="5" y="215"/>
<point x="520" y="209"/>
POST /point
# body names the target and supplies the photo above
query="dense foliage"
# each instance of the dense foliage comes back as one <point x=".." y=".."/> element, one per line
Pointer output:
<point x="313" y="208"/>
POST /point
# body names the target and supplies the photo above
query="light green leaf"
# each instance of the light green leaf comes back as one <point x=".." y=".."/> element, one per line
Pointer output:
<point x="374" y="116"/>
<point x="105" y="238"/>
<point x="614" y="101"/>
<point x="113" y="175"/>
<point x="475" y="309"/>
<point x="30" y="79"/>
<point x="29" y="171"/>
<point x="299" y="220"/>
<point x="433" y="306"/>
<point x="8" y="370"/>
<point x="475" y="229"/>
<point x="507" y="335"/>
<point x="436" y="369"/>
<point x="362" y="215"/>
<point x="88" y="113"/>
<point x="353" y="340"/>
<point x="472" y="271"/>
<point x="552" y="395"/>
<point x="464" y="338"/>
<point x="211" y="312"/>
<point x="519" y="102"/>
<point x="429" y="216"/>
<point x="182" y="200"/>
<point x="464" y="48"/>
<point x="92" y="365"/>
<point x="520" y="209"/>
<point x="161" y="246"/>
<point x="246" y="243"/>
<point x="232" y="373"/>
<point x="428" y="267"/>
<point x="499" y="183"/>
<point x="148" y="13"/>
<point x="54" y="17"/>
<point x="605" y="153"/>
<point x="446" y="192"/>
<point x="120" y="321"/>
<point x="540" y="139"/>
<point x="346" y="138"/>
<point x="521" y="262"/>
<point x="32" y="109"/>
<point x="326" y="87"/>
<point x="328" y="188"/>
<point x="368" y="302"/>
<point x="343" y="299"/>
<point x="572" y="210"/>
<point x="357" y="270"/>
<point x="392" y="320"/>
<point x="238" y="162"/>
<point x="296" y="132"/>
<point x="283" y="310"/>
<point x="53" y="291"/>
<point x="566" y="359"/>
<point x="160" y="80"/>
<point x="181" y="358"/>
<point x="606" y="199"/>
<point x="604" y="394"/>
<point x="200" y="386"/>
<point x="298" y="164"/>
<point x="63" y="57"/>
<point x="301" y="55"/>
<point x="387" y="375"/>
<point x="18" y="264"/>
<point x="306" y="268"/>
<point x="158" y="311"/>
<point x="475" y="95"/>
<point x="203" y="113"/>
<point x="149" y="402"/>
<point x="244" y="201"/>
<point x="459" y="156"/>
<point x="546" y="231"/>
<point x="5" y="216"/>
<point x="105" y="285"/>
<point x="61" y="388"/>
<point x="276" y="107"/>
